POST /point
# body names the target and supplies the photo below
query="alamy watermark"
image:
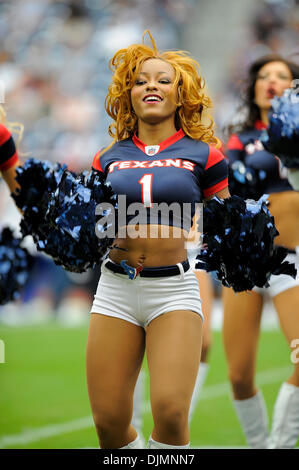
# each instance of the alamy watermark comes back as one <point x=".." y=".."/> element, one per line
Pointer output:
<point x="295" y="354"/>
<point x="137" y="221"/>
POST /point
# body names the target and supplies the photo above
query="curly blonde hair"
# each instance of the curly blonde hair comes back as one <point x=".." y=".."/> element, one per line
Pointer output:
<point x="191" y="115"/>
<point x="14" y="127"/>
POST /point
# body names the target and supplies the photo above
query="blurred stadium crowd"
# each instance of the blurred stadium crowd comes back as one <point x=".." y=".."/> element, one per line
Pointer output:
<point x="54" y="65"/>
<point x="54" y="62"/>
<point x="272" y="27"/>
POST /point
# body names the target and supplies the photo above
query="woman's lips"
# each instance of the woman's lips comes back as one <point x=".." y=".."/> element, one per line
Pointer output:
<point x="271" y="93"/>
<point x="152" y="98"/>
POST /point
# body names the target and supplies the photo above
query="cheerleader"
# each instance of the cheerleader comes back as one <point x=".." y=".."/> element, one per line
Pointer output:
<point x="268" y="77"/>
<point x="147" y="300"/>
<point x="163" y="150"/>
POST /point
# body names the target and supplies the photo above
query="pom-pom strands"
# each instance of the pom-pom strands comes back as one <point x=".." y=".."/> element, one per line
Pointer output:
<point x="60" y="213"/>
<point x="282" y="135"/>
<point x="71" y="240"/>
<point x="38" y="180"/>
<point x="246" y="182"/>
<point x="238" y="243"/>
<point x="15" y="263"/>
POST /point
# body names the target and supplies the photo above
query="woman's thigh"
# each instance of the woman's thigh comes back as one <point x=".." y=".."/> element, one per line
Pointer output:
<point x="115" y="349"/>
<point x="287" y="307"/>
<point x="173" y="347"/>
<point x="241" y="326"/>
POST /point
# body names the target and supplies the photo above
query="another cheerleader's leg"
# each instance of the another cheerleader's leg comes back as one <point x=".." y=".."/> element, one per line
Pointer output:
<point x="285" y="423"/>
<point x="241" y="325"/>
<point x="207" y="295"/>
<point x="252" y="414"/>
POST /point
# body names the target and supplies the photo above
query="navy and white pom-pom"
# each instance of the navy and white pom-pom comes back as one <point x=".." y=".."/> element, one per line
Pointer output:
<point x="238" y="243"/>
<point x="15" y="264"/>
<point x="69" y="234"/>
<point x="282" y="135"/>
<point x="59" y="211"/>
<point x="245" y="181"/>
<point x="37" y="180"/>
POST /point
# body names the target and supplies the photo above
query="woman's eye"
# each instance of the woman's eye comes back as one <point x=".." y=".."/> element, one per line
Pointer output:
<point x="164" y="81"/>
<point x="281" y="77"/>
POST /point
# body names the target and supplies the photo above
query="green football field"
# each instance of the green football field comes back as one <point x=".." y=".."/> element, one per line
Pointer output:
<point x="44" y="401"/>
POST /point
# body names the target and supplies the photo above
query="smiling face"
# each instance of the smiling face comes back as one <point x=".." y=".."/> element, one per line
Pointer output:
<point x="272" y="79"/>
<point x="153" y="96"/>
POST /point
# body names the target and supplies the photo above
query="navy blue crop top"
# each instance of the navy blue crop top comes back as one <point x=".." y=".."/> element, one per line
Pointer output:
<point x="247" y="147"/>
<point x="179" y="171"/>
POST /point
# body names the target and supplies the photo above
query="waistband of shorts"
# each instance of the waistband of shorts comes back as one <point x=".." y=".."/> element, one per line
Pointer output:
<point x="159" y="271"/>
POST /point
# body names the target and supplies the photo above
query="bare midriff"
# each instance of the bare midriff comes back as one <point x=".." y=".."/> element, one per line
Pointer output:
<point x="155" y="245"/>
<point x="284" y="207"/>
<point x="160" y="245"/>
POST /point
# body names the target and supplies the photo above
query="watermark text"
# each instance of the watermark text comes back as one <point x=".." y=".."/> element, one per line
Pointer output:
<point x="295" y="354"/>
<point x="134" y="220"/>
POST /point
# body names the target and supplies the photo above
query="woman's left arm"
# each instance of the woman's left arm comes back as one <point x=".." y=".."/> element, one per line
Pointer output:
<point x="222" y="194"/>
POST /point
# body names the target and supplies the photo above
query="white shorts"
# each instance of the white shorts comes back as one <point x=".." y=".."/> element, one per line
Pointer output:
<point x="141" y="300"/>
<point x="281" y="282"/>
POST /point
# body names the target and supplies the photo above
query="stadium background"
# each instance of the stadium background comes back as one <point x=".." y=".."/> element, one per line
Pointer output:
<point x="54" y="67"/>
